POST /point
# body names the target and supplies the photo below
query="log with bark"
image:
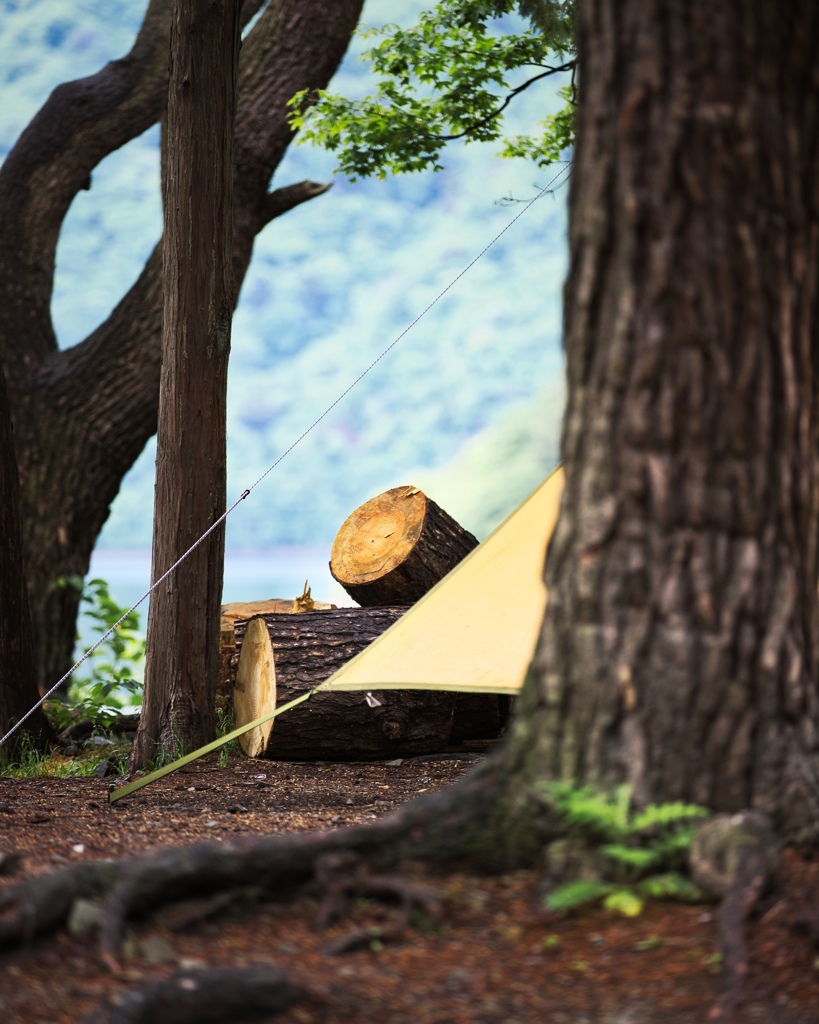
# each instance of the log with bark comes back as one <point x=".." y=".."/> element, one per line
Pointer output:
<point x="476" y="717"/>
<point x="396" y="547"/>
<point x="231" y="613"/>
<point x="292" y="654"/>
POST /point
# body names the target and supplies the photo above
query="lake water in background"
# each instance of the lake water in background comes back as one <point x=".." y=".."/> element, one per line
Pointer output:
<point x="249" y="576"/>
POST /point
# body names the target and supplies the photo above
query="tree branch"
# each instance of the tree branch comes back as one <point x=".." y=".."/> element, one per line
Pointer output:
<point x="80" y="124"/>
<point x="109" y="383"/>
<point x="568" y="66"/>
<point x="283" y="199"/>
<point x="304" y="42"/>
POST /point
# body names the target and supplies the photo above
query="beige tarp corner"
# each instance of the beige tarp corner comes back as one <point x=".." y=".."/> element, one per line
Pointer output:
<point x="476" y="630"/>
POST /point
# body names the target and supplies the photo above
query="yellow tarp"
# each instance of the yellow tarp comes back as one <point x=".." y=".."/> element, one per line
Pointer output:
<point x="476" y="630"/>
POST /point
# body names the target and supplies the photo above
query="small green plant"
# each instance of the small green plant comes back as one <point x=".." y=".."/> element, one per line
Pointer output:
<point x="109" y="678"/>
<point x="643" y="853"/>
<point x="714" y="962"/>
<point x="30" y="760"/>
<point x="32" y="763"/>
<point x="224" y="725"/>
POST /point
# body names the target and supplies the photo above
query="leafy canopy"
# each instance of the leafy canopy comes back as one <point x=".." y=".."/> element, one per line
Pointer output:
<point x="447" y="77"/>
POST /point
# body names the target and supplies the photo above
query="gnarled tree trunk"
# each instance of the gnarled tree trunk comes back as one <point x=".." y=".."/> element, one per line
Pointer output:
<point x="679" y="651"/>
<point x="83" y="415"/>
<point x="18" y="691"/>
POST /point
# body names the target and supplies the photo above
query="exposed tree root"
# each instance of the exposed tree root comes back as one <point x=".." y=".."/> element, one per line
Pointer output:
<point x="735" y="858"/>
<point x="462" y="824"/>
<point x="185" y="914"/>
<point x="217" y="995"/>
<point x="343" y="875"/>
<point x="43" y="903"/>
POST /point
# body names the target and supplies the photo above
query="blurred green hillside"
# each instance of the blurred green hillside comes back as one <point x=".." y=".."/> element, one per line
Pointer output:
<point x="468" y="405"/>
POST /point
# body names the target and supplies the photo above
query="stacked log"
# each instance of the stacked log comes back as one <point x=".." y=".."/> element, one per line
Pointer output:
<point x="280" y="657"/>
<point x="387" y="555"/>
<point x="233" y="612"/>
<point x="396" y="547"/>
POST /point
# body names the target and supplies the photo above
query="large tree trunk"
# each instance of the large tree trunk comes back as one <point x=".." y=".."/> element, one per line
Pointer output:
<point x="679" y="650"/>
<point x="18" y="690"/>
<point x="178" y="709"/>
<point x="83" y="415"/>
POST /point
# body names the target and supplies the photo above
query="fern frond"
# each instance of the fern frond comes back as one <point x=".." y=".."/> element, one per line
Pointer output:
<point x="667" y="814"/>
<point x="671" y="886"/>
<point x="576" y="894"/>
<point x="600" y="815"/>
<point x="632" y="856"/>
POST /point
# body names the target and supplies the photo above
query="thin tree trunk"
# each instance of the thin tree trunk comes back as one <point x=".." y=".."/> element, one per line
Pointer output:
<point x="183" y="624"/>
<point x="18" y="690"/>
<point x="679" y="650"/>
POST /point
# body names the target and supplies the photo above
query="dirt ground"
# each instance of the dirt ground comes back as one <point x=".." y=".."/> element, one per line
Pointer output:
<point x="495" y="954"/>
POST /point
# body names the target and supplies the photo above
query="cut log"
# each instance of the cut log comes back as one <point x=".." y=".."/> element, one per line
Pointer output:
<point x="231" y="613"/>
<point x="254" y="692"/>
<point x="396" y="547"/>
<point x="236" y="610"/>
<point x="304" y="651"/>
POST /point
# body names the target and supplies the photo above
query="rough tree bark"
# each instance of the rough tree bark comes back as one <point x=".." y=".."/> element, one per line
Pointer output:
<point x="294" y="654"/>
<point x="83" y="415"/>
<point x="18" y="690"/>
<point x="178" y="708"/>
<point x="679" y="651"/>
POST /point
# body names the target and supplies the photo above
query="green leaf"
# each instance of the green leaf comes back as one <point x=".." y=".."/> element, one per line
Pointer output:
<point x="670" y="813"/>
<point x="631" y="856"/>
<point x="671" y="886"/>
<point x="108" y="673"/>
<point x="576" y="894"/>
<point x="71" y="582"/>
<point x="625" y="902"/>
